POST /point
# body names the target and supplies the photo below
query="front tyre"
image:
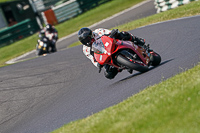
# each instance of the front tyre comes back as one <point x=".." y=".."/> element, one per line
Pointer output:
<point x="156" y="59"/>
<point x="39" y="52"/>
<point x="121" y="59"/>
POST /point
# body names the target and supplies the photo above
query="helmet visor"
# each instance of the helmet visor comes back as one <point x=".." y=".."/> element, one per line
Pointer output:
<point x="87" y="41"/>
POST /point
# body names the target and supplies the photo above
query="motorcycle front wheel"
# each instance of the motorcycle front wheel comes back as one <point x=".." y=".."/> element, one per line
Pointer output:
<point x="39" y="52"/>
<point x="123" y="61"/>
<point x="156" y="59"/>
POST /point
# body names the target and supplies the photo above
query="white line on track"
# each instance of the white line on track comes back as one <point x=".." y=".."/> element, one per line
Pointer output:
<point x="17" y="58"/>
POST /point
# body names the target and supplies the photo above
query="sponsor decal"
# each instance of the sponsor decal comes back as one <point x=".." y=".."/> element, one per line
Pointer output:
<point x="106" y="44"/>
<point x="100" y="57"/>
<point x="106" y="52"/>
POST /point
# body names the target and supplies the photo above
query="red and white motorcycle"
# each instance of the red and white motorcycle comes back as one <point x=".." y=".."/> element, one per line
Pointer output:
<point x="124" y="54"/>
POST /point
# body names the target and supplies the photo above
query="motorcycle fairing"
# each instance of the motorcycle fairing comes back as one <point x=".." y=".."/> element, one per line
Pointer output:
<point x="141" y="52"/>
<point x="102" y="49"/>
<point x="106" y="46"/>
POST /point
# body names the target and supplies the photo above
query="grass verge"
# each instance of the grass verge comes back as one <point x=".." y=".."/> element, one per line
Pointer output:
<point x="169" y="107"/>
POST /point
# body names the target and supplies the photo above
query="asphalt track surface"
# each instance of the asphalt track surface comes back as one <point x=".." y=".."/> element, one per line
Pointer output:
<point x="42" y="94"/>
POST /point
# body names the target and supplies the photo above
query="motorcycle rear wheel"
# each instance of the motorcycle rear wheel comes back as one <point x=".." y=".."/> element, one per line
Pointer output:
<point x="131" y="65"/>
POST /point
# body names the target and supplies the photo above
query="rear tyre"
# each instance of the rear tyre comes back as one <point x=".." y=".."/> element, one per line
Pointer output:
<point x="131" y="65"/>
<point x="156" y="59"/>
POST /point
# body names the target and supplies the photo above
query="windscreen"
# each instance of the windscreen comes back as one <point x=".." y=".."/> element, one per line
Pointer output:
<point x="98" y="47"/>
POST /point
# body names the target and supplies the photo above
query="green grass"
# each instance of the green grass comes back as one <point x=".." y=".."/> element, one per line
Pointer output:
<point x="16" y="49"/>
<point x="169" y="107"/>
<point x="68" y="27"/>
<point x="2" y="1"/>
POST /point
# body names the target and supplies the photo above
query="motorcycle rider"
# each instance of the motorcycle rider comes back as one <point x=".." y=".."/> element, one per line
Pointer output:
<point x="87" y="37"/>
<point x="49" y="29"/>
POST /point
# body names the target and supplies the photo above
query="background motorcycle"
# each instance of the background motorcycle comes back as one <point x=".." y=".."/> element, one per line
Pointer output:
<point x="42" y="46"/>
<point x="124" y="54"/>
<point x="53" y="37"/>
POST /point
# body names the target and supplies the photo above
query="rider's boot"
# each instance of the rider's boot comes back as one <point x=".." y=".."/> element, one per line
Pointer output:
<point x="129" y="37"/>
<point x="130" y="71"/>
<point x="138" y="41"/>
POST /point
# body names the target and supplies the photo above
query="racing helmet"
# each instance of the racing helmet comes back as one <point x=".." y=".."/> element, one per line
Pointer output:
<point x="49" y="27"/>
<point x="85" y="36"/>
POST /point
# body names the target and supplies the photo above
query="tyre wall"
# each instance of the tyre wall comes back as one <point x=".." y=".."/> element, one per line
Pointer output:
<point x="164" y="5"/>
